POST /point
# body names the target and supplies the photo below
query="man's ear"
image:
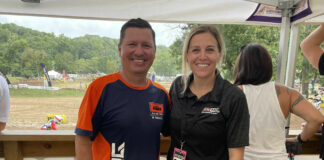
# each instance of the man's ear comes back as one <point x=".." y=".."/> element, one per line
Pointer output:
<point x="119" y="50"/>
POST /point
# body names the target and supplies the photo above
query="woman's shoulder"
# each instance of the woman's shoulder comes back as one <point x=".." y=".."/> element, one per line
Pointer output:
<point x="232" y="90"/>
<point x="177" y="82"/>
<point x="177" y="85"/>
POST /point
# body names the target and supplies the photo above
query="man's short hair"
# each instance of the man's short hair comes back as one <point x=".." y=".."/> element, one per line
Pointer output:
<point x="135" y="23"/>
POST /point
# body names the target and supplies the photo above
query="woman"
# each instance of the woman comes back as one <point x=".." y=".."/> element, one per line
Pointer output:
<point x="209" y="117"/>
<point x="269" y="106"/>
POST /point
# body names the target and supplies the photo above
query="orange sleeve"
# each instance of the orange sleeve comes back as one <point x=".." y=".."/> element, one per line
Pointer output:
<point x="90" y="101"/>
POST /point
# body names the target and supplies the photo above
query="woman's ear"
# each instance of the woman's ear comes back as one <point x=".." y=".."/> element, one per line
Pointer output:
<point x="220" y="55"/>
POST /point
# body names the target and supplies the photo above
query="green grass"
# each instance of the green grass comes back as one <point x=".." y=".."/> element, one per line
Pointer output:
<point x="14" y="79"/>
<point x="46" y="93"/>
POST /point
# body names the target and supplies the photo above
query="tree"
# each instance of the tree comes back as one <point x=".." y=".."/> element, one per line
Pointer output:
<point x="176" y="52"/>
<point x="30" y="62"/>
<point x="306" y="73"/>
<point x="4" y="35"/>
<point x="12" y="55"/>
<point x="236" y="36"/>
<point x="64" y="61"/>
<point x="112" y="66"/>
<point x="165" y="64"/>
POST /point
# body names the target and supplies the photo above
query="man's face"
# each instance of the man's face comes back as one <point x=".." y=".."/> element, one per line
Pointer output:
<point x="137" y="51"/>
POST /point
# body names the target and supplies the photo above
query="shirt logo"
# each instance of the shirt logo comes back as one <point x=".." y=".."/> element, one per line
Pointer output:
<point x="119" y="155"/>
<point x="210" y="110"/>
<point x="157" y="110"/>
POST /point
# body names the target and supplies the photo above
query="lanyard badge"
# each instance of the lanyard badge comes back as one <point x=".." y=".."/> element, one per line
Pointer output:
<point x="179" y="154"/>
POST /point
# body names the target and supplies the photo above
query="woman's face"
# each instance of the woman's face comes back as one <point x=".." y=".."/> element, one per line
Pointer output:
<point x="203" y="55"/>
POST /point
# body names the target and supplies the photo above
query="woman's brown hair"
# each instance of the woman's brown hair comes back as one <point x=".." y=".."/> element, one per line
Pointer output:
<point x="253" y="65"/>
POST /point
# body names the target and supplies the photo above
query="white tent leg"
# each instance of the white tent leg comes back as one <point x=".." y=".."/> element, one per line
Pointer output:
<point x="291" y="64"/>
<point x="292" y="55"/>
<point x="283" y="50"/>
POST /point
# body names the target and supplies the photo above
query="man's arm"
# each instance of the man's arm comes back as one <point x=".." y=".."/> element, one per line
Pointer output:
<point x="83" y="147"/>
<point x="311" y="46"/>
<point x="2" y="126"/>
<point x="236" y="153"/>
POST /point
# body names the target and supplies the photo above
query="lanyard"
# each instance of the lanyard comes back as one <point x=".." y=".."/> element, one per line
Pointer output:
<point x="185" y="127"/>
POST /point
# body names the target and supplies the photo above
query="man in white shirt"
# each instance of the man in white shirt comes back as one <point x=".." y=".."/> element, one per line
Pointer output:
<point x="4" y="102"/>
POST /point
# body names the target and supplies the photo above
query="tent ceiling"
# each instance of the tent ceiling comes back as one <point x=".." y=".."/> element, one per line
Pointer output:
<point x="178" y="11"/>
<point x="174" y="11"/>
<point x="317" y="7"/>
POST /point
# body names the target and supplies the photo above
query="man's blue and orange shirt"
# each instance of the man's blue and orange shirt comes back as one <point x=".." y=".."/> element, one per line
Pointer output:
<point x="124" y="121"/>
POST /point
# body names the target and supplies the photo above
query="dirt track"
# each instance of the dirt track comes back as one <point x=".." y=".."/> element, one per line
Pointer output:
<point x="30" y="113"/>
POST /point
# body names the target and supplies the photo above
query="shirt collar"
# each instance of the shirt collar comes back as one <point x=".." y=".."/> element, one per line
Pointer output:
<point x="214" y="95"/>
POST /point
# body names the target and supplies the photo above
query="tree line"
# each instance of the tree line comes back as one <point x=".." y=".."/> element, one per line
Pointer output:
<point x="23" y="49"/>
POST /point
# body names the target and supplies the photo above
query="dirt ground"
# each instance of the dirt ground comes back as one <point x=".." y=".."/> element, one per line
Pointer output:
<point x="30" y="113"/>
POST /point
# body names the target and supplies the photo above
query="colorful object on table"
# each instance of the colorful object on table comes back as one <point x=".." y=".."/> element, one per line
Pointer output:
<point x="50" y="125"/>
<point x="52" y="120"/>
<point x="58" y="118"/>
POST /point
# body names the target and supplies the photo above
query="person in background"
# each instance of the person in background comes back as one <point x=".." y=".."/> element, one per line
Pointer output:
<point x="269" y="106"/>
<point x="122" y="114"/>
<point x="311" y="47"/>
<point x="209" y="117"/>
<point x="153" y="76"/>
<point x="4" y="101"/>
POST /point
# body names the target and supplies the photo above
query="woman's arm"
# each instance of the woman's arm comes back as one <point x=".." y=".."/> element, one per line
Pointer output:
<point x="304" y="109"/>
<point x="236" y="153"/>
<point x="83" y="147"/>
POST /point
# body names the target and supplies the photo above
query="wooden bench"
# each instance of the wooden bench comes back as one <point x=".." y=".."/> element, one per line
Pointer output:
<point x="16" y="144"/>
<point x="312" y="146"/>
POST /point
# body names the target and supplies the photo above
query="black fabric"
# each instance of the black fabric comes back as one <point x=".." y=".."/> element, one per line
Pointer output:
<point x="322" y="144"/>
<point x="321" y="65"/>
<point x="223" y="121"/>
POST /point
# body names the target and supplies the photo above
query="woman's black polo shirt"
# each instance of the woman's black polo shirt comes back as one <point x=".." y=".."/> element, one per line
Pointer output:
<point x="210" y="125"/>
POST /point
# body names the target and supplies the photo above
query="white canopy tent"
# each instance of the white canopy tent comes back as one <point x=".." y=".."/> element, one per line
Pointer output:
<point x="179" y="11"/>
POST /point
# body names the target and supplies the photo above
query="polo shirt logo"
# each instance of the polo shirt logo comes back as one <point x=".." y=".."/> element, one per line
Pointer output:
<point x="119" y="154"/>
<point x="210" y="110"/>
<point x="157" y="110"/>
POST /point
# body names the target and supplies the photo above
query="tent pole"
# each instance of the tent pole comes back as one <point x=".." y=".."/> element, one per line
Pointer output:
<point x="283" y="48"/>
<point x="291" y="64"/>
<point x="292" y="55"/>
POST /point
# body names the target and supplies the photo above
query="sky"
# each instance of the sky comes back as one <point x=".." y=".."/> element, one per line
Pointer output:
<point x="166" y="33"/>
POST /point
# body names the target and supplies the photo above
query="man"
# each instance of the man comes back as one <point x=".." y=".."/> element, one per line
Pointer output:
<point x="122" y="114"/>
<point x="311" y="47"/>
<point x="4" y="102"/>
